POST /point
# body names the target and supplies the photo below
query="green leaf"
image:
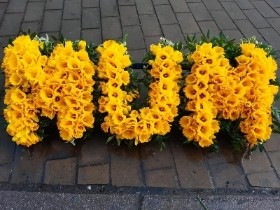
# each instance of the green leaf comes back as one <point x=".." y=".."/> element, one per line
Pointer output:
<point x="162" y="146"/>
<point x="119" y="142"/>
<point x="124" y="38"/>
<point x="260" y="146"/>
<point x="110" y="139"/>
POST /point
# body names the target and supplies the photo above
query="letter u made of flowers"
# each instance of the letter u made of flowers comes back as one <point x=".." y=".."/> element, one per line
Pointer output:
<point x="22" y="65"/>
<point x="138" y="125"/>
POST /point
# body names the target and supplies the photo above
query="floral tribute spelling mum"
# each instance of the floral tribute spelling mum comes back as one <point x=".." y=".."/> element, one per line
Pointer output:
<point x="225" y="87"/>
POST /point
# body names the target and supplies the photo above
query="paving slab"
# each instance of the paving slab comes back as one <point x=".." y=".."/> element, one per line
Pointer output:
<point x="98" y="174"/>
<point x="144" y="7"/>
<point x="193" y="171"/>
<point x="28" y="165"/>
<point x="34" y="11"/>
<point x="125" y="167"/>
<point x="61" y="171"/>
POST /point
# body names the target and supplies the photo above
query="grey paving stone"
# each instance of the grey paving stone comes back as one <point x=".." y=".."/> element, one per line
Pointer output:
<point x="223" y="156"/>
<point x="150" y="25"/>
<point x="90" y="3"/>
<point x="275" y="23"/>
<point x="125" y="167"/>
<point x="92" y="35"/>
<point x="159" y="2"/>
<point x="256" y="18"/>
<point x="187" y="23"/>
<point x="90" y="18"/>
<point x="126" y="2"/>
<point x="28" y="166"/>
<point x="52" y="20"/>
<point x="233" y="34"/>
<point x="179" y="6"/>
<point x="5" y="171"/>
<point x="109" y="8"/>
<point x="144" y="7"/>
<point x="258" y="162"/>
<point x="162" y="178"/>
<point x="3" y="7"/>
<point x="151" y="40"/>
<point x="32" y="26"/>
<point x="9" y="20"/>
<point x="153" y="158"/>
<point x="228" y="175"/>
<point x="273" y="3"/>
<point x="265" y="9"/>
<point x="135" y="39"/>
<point x="190" y="1"/>
<point x="55" y="148"/>
<point x="111" y="28"/>
<point x="129" y="15"/>
<point x="233" y="10"/>
<point x="71" y="29"/>
<point x="94" y="174"/>
<point x="16" y="6"/>
<point x="273" y="143"/>
<point x="213" y="4"/>
<point x="247" y="29"/>
<point x="34" y="11"/>
<point x="271" y="36"/>
<point x="54" y="4"/>
<point x="4" y="42"/>
<point x="210" y="26"/>
<point x="173" y="32"/>
<point x="192" y="172"/>
<point x="96" y="145"/>
<point x="62" y="171"/>
<point x="277" y="10"/>
<point x="244" y="4"/>
<point x="275" y="160"/>
<point x="223" y="20"/>
<point x="7" y="146"/>
<point x="137" y="55"/>
<point x="72" y="9"/>
<point x="199" y="11"/>
<point x="165" y="14"/>
<point x="264" y="179"/>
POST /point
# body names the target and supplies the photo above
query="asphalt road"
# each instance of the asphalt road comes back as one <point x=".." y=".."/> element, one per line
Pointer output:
<point x="50" y="200"/>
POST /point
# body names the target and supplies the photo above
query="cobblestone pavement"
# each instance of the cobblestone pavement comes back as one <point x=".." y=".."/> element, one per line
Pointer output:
<point x="178" y="166"/>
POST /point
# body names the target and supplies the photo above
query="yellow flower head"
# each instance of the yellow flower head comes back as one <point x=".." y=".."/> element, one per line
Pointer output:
<point x="82" y="45"/>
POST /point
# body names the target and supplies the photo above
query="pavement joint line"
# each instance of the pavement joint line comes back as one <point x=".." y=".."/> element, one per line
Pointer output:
<point x="174" y="163"/>
<point x="142" y="170"/>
